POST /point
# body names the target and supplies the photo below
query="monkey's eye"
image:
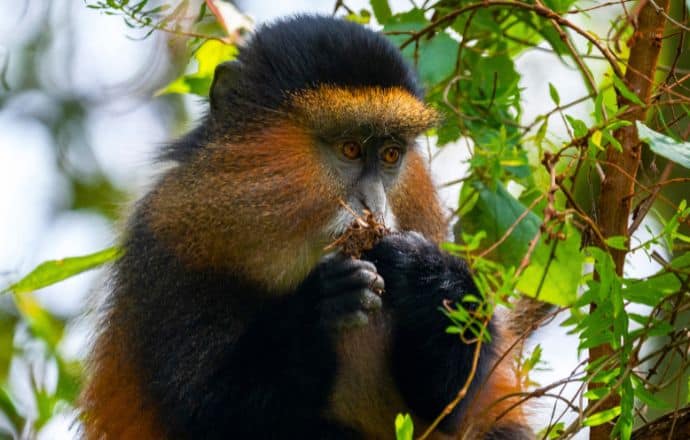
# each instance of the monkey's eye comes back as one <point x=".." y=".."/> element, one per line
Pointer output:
<point x="351" y="149"/>
<point x="391" y="155"/>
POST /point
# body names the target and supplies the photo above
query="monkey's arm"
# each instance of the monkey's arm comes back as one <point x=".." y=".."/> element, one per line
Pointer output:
<point x="276" y="379"/>
<point x="429" y="365"/>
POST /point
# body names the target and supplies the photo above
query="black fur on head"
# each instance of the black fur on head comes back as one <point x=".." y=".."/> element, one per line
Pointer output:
<point x="289" y="55"/>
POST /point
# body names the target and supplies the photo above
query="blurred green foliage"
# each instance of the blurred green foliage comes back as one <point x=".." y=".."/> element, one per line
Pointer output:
<point x="536" y="241"/>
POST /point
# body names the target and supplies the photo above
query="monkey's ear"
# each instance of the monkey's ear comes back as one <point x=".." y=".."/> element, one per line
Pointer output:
<point x="224" y="79"/>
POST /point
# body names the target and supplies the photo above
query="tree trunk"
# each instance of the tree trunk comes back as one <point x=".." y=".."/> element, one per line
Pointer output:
<point x="618" y="187"/>
<point x="673" y="426"/>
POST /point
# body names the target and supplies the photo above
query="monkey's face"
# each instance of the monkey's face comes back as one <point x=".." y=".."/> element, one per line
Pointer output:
<point x="267" y="204"/>
<point x="367" y="167"/>
<point x="366" y="140"/>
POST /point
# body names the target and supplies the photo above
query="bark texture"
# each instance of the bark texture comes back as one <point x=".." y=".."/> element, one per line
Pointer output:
<point x="617" y="189"/>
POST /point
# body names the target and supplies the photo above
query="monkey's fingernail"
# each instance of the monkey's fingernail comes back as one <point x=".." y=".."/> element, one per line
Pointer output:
<point x="378" y="284"/>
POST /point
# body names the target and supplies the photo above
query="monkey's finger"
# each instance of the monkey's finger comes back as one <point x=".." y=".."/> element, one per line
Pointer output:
<point x="348" y="303"/>
<point x="359" y="279"/>
<point x="334" y="265"/>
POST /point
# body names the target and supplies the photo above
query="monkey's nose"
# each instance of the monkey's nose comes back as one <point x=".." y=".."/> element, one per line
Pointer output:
<point x="372" y="196"/>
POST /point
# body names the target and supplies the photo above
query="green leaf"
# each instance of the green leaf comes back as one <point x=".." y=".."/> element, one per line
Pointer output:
<point x="602" y="417"/>
<point x="554" y="432"/>
<point x="553" y="38"/>
<point x="207" y="57"/>
<point x="647" y="397"/>
<point x="612" y="140"/>
<point x="449" y="131"/>
<point x="42" y="324"/>
<point x="404" y="428"/>
<point x="554" y="95"/>
<point x="8" y="324"/>
<point x="363" y="17"/>
<point x="559" y="6"/>
<point x="541" y="132"/>
<point x="498" y="81"/>
<point x="53" y="271"/>
<point x="554" y="280"/>
<point x="596" y="393"/>
<point x="678" y="152"/>
<point x="624" y="424"/>
<point x="617" y="242"/>
<point x="532" y="361"/>
<point x="681" y="262"/>
<point x="435" y="58"/>
<point x="382" y="11"/>
<point x="599" y="108"/>
<point x="69" y="379"/>
<point x="579" y="127"/>
<point x="651" y="290"/>
<point x="626" y="92"/>
<point x="9" y="410"/>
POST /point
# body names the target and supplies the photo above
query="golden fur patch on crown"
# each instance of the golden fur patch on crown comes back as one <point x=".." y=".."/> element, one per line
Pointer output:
<point x="387" y="111"/>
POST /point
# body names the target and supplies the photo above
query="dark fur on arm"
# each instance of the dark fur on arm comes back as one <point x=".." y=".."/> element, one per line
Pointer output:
<point x="223" y="358"/>
<point x="429" y="365"/>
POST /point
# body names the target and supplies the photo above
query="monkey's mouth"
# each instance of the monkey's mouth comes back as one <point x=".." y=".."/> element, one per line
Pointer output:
<point x="361" y="234"/>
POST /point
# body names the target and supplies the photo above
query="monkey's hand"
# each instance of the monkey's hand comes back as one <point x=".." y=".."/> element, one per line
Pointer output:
<point x="429" y="365"/>
<point x="415" y="269"/>
<point x="344" y="290"/>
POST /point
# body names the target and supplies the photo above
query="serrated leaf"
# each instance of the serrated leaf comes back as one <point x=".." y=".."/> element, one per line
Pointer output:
<point x="53" y="271"/>
<point x="404" y="428"/>
<point x="382" y="11"/>
<point x="678" y="152"/>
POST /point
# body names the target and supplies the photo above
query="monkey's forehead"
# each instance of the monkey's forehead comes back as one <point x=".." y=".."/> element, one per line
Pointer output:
<point x="386" y="111"/>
